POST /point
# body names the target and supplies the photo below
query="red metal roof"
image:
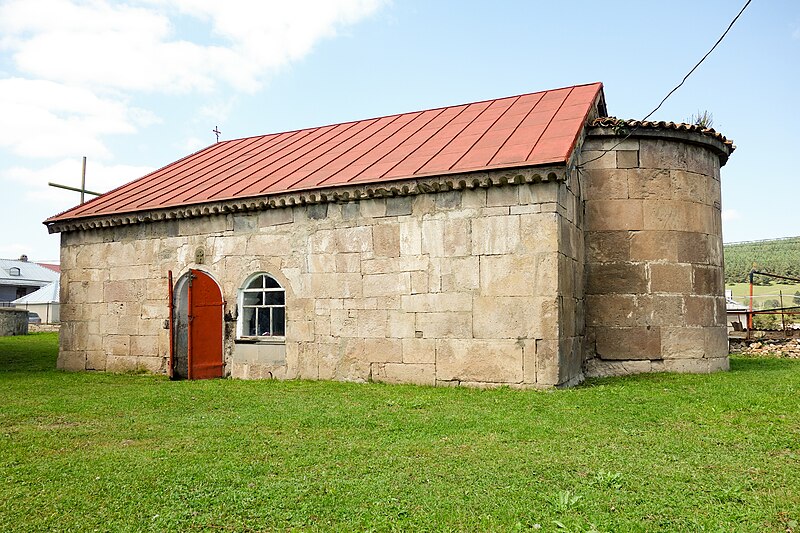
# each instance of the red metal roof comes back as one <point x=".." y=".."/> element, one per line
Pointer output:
<point x="527" y="130"/>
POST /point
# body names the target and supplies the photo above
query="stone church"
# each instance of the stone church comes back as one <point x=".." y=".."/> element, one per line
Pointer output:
<point x="528" y="241"/>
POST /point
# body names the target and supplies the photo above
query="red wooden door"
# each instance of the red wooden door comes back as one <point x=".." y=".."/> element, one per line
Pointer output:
<point x="205" y="327"/>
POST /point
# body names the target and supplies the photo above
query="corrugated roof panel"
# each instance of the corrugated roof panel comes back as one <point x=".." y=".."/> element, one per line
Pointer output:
<point x="530" y="129"/>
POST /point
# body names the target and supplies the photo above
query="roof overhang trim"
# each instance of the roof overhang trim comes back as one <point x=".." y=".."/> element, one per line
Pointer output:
<point x="339" y="194"/>
<point x="689" y="133"/>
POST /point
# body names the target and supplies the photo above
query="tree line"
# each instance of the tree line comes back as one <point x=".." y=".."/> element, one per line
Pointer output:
<point x="778" y="256"/>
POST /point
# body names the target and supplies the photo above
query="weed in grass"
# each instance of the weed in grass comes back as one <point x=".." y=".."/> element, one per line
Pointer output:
<point x="608" y="480"/>
<point x="566" y="500"/>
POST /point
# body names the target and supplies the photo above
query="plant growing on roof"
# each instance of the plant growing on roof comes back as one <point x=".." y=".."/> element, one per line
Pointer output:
<point x="620" y="127"/>
<point x="704" y="119"/>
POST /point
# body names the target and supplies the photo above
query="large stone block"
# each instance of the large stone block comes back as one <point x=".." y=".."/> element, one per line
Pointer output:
<point x="398" y="206"/>
<point x="691" y="366"/>
<point x="275" y="217"/>
<point x="451" y="325"/>
<point x="383" y="350"/>
<point x="635" y="343"/>
<point x="502" y="196"/>
<point x="96" y="360"/>
<point x="344" y="323"/>
<point x="661" y="153"/>
<point x="419" y="350"/>
<point x="372" y="323"/>
<point x="707" y="280"/>
<point x="616" y="278"/>
<point x="655" y="246"/>
<point x="458" y="274"/>
<point x="266" y="244"/>
<point x="598" y="368"/>
<point x="433" y="237"/>
<point x="457" y="238"/>
<point x="614" y="215"/>
<point x="117" y="345"/>
<point x="344" y="360"/>
<point x="508" y="275"/>
<point x="495" y="235"/>
<point x="355" y="239"/>
<point x="699" y="311"/>
<point x="339" y="285"/>
<point x="508" y="317"/>
<point x="497" y="361"/>
<point x="144" y="345"/>
<point x="670" y="278"/>
<point x="716" y="345"/>
<point x="538" y="193"/>
<point x="607" y="184"/>
<point x="683" y="342"/>
<point x="540" y="232"/>
<point x="302" y="361"/>
<point x="613" y="310"/>
<point x="416" y="374"/>
<point x="71" y="360"/>
<point x="393" y="284"/>
<point x="386" y="240"/>
<point x="661" y="309"/>
<point x="693" y="247"/>
<point x="608" y="246"/>
<point x="437" y="302"/>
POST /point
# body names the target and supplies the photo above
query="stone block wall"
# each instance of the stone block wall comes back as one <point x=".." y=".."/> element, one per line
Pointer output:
<point x="654" y="264"/>
<point x="478" y="286"/>
<point x="13" y="321"/>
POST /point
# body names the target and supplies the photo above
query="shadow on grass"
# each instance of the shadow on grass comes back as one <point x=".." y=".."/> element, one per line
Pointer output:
<point x="35" y="352"/>
<point x="762" y="364"/>
<point x="739" y="365"/>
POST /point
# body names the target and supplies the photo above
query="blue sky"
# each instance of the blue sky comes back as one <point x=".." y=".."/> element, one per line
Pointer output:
<point x="137" y="85"/>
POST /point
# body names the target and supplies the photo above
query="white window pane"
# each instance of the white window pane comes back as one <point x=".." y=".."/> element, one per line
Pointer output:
<point x="253" y="298"/>
<point x="248" y="321"/>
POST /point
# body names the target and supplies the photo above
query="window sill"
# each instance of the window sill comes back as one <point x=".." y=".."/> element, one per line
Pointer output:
<point x="260" y="340"/>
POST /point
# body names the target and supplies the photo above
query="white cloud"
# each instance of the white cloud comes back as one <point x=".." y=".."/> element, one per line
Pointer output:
<point x="136" y="48"/>
<point x="729" y="215"/>
<point x="47" y="119"/>
<point x="193" y="144"/>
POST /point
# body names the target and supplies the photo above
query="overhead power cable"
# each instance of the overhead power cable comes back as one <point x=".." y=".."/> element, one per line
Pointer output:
<point x="676" y="87"/>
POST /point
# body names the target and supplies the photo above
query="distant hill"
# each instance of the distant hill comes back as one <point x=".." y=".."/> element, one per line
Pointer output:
<point x="776" y="256"/>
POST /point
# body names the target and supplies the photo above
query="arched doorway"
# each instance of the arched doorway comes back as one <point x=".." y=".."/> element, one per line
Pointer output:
<point x="196" y="327"/>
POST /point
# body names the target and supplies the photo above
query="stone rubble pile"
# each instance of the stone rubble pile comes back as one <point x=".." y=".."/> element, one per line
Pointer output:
<point x="789" y="348"/>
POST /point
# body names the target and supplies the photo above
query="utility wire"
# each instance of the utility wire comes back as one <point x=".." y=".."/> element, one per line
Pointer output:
<point x="676" y="87"/>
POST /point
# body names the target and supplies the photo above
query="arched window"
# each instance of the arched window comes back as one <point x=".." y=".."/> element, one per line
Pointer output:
<point x="14" y="271"/>
<point x="262" y="304"/>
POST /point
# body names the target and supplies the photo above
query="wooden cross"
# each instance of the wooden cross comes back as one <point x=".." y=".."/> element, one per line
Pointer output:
<point x="216" y="132"/>
<point x="83" y="189"/>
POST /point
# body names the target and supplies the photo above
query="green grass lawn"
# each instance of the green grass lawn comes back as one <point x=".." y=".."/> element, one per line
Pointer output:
<point x="741" y="290"/>
<point x="103" y="452"/>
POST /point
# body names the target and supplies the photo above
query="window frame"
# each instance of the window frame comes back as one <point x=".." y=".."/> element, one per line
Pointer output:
<point x="15" y="271"/>
<point x="246" y="288"/>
